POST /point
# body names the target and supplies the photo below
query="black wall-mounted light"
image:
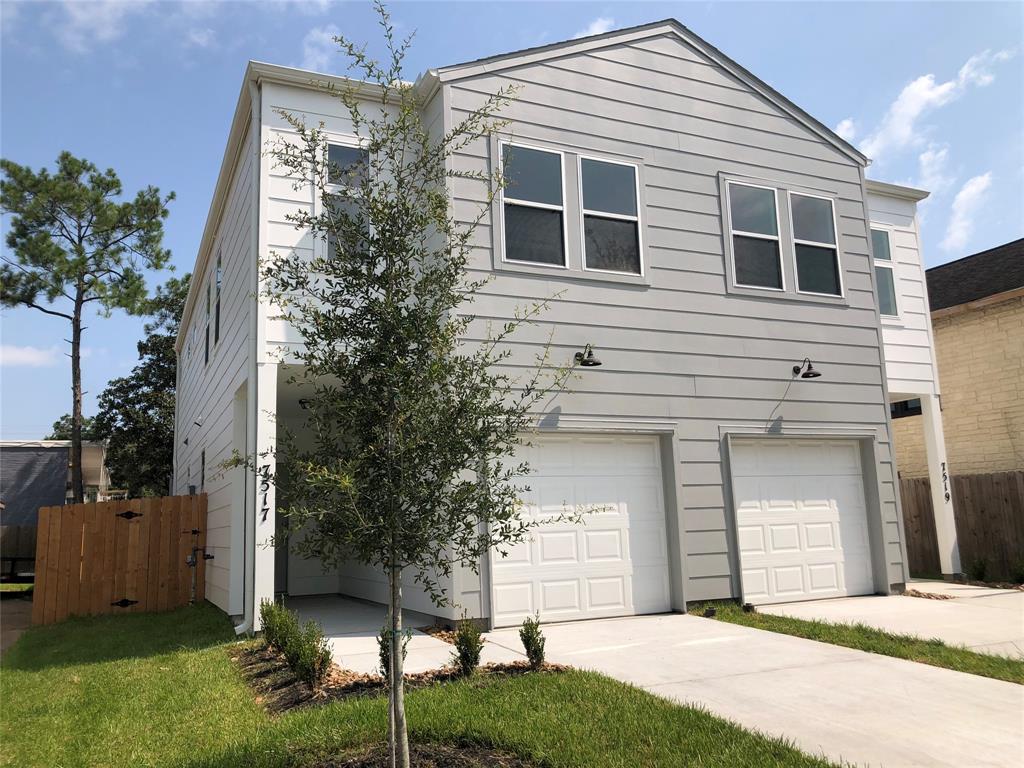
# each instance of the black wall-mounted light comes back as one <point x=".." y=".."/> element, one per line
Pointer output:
<point x="810" y="373"/>
<point x="587" y="358"/>
<point x="304" y="404"/>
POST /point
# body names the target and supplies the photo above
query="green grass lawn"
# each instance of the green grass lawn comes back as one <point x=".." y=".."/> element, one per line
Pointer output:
<point x="160" y="690"/>
<point x="865" y="638"/>
<point x="12" y="587"/>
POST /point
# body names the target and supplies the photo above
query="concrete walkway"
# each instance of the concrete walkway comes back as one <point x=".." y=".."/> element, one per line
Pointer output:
<point x="982" y="619"/>
<point x="840" y="703"/>
<point x="352" y="626"/>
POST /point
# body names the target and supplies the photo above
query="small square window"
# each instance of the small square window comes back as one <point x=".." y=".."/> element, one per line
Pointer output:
<point x="346" y="165"/>
<point x="532" y="205"/>
<point x="611" y="225"/>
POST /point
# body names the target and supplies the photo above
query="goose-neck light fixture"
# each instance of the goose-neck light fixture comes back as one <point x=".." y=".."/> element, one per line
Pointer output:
<point x="587" y="358"/>
<point x="810" y="373"/>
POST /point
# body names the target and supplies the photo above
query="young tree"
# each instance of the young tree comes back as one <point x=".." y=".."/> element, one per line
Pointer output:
<point x="136" y="412"/>
<point x="73" y="244"/>
<point x="409" y="458"/>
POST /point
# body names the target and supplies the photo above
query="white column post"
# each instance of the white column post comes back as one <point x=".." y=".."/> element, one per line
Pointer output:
<point x="266" y="440"/>
<point x="942" y="496"/>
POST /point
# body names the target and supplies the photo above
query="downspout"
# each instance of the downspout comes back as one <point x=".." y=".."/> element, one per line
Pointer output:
<point x="249" y="535"/>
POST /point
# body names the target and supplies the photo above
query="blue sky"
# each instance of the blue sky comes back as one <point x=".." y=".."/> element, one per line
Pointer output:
<point x="932" y="91"/>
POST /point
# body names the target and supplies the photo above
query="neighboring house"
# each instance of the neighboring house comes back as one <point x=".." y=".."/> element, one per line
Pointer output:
<point x="742" y="247"/>
<point x="37" y="473"/>
<point x="977" y="312"/>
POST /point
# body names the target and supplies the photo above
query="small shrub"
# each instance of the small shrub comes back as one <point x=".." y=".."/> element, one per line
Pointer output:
<point x="533" y="641"/>
<point x="468" y="644"/>
<point x="312" y="655"/>
<point x="1017" y="574"/>
<point x="977" y="569"/>
<point x="384" y="649"/>
<point x="279" y="624"/>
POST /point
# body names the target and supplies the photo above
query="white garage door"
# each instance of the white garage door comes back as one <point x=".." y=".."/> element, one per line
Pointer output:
<point x="801" y="520"/>
<point x="614" y="562"/>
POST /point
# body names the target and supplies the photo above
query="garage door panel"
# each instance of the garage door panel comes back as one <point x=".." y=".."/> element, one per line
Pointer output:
<point x="802" y="531"/>
<point x="612" y="562"/>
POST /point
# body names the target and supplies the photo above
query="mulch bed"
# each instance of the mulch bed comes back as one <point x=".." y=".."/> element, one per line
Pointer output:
<point x="278" y="690"/>
<point x="926" y="595"/>
<point x="430" y="756"/>
<point x="444" y="635"/>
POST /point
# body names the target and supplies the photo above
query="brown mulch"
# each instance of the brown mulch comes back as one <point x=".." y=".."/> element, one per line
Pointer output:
<point x="926" y="595"/>
<point x="278" y="691"/>
<point x="430" y="756"/>
<point x="997" y="585"/>
<point x="444" y="635"/>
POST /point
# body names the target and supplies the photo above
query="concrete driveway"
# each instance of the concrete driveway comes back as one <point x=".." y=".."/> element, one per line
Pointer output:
<point x="840" y="703"/>
<point x="982" y="619"/>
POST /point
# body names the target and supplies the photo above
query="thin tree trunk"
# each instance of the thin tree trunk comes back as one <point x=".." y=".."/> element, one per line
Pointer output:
<point x="391" y="692"/>
<point x="401" y="740"/>
<point x="77" y="485"/>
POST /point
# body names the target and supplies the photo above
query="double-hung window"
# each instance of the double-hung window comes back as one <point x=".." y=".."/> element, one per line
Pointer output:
<point x="533" y="205"/>
<point x="347" y="167"/>
<point x="206" y="342"/>
<point x="611" y="221"/>
<point x="754" y="229"/>
<point x="885" y="275"/>
<point x="814" y="245"/>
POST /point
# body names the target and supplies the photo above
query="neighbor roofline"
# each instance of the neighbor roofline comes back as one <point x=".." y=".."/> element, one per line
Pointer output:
<point x="912" y="194"/>
<point x="504" y="61"/>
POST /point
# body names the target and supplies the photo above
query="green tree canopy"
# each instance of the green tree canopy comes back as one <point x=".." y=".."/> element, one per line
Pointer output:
<point x="62" y="429"/>
<point x="136" y="412"/>
<point x="73" y="244"/>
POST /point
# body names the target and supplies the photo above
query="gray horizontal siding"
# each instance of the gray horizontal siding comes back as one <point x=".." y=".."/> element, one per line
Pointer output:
<point x="682" y="349"/>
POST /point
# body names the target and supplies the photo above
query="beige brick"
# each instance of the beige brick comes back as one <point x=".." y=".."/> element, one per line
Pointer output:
<point x="981" y="365"/>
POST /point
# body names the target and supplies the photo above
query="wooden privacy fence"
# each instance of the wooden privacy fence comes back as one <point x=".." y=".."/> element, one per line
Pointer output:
<point x="989" y="512"/>
<point x="124" y="556"/>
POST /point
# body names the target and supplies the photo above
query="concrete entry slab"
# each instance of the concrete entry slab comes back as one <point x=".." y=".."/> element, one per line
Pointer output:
<point x="981" y="619"/>
<point x="837" y="702"/>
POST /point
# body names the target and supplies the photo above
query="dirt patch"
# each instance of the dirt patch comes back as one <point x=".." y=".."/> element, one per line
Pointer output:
<point x="430" y="756"/>
<point x="926" y="595"/>
<point x="278" y="690"/>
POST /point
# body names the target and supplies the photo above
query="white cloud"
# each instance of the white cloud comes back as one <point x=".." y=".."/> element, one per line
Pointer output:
<point x="305" y="7"/>
<point x="318" y="48"/>
<point x="201" y="38"/>
<point x="598" y="26"/>
<point x="846" y="129"/>
<point x="965" y="205"/>
<point x="13" y="356"/>
<point x="899" y="129"/>
<point x="87" y="22"/>
<point x="932" y="168"/>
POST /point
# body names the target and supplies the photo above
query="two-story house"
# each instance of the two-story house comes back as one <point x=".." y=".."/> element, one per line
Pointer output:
<point x="713" y="244"/>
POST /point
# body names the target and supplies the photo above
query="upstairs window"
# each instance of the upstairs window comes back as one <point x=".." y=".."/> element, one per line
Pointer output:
<point x="533" y="205"/>
<point x="905" y="408"/>
<point x="216" y="303"/>
<point x="206" y="342"/>
<point x="814" y="244"/>
<point x="754" y="229"/>
<point x="611" y="223"/>
<point x="885" y="275"/>
<point x="346" y="171"/>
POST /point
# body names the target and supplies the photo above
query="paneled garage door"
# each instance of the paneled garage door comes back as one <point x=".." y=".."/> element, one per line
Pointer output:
<point x="801" y="520"/>
<point x="613" y="563"/>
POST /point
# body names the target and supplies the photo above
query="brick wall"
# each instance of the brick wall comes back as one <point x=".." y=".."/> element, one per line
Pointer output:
<point x="981" y="375"/>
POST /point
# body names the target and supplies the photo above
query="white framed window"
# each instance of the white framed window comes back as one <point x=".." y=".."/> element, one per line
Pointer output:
<point x="347" y="166"/>
<point x="610" y="205"/>
<point x="206" y="341"/>
<point x="815" y="248"/>
<point x="885" y="272"/>
<point x="218" y="278"/>
<point x="533" y="205"/>
<point x="754" y="236"/>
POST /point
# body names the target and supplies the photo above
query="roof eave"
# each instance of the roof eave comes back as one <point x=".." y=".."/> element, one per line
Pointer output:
<point x="912" y="194"/>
